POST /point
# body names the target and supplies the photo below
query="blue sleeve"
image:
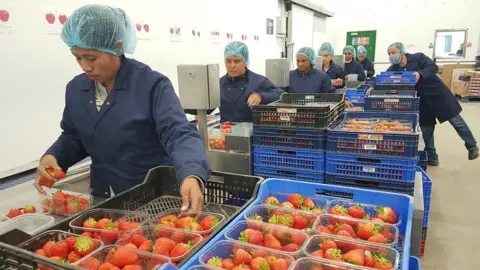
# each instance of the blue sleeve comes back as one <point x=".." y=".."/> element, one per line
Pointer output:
<point x="268" y="91"/>
<point x="361" y="72"/>
<point x="370" y="68"/>
<point x="68" y="149"/>
<point x="183" y="143"/>
<point x="327" y="86"/>
<point x="428" y="67"/>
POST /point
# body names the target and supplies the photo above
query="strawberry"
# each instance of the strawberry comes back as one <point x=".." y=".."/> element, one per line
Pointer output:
<point x="386" y="214"/>
<point x="356" y="211"/>
<point x="299" y="222"/>
<point x="333" y="254"/>
<point x="184" y="222"/>
<point x="369" y="260"/>
<point x="59" y="249"/>
<point x="378" y="238"/>
<point x="318" y="253"/>
<point x="279" y="264"/>
<point x="381" y="262"/>
<point x="259" y="253"/>
<point x="165" y="243"/>
<point x="59" y="174"/>
<point x="73" y="257"/>
<point x="89" y="223"/>
<point x="347" y="228"/>
<point x="215" y="261"/>
<point x="41" y="252"/>
<point x="154" y="262"/>
<point x="58" y="198"/>
<point x="256" y="218"/>
<point x="290" y="247"/>
<point x="179" y="237"/>
<point x="125" y="225"/>
<point x="73" y="207"/>
<point x="328" y="244"/>
<point x="194" y="226"/>
<point x="272" y="242"/>
<point x="70" y="242"/>
<point x="241" y="267"/>
<point x="307" y="204"/>
<point x="123" y="256"/>
<point x="137" y="240"/>
<point x="338" y="210"/>
<point x="147" y="246"/>
<point x="84" y="203"/>
<point x="46" y="247"/>
<point x="60" y="209"/>
<point x="89" y="234"/>
<point x="159" y="232"/>
<point x="29" y="209"/>
<point x="324" y="229"/>
<point x="355" y="256"/>
<point x="298" y="238"/>
<point x="132" y="267"/>
<point x="344" y="245"/>
<point x="104" y="223"/>
<point x="271" y="201"/>
<point x="108" y="266"/>
<point x="242" y="257"/>
<point x="168" y="219"/>
<point x="287" y="205"/>
<point x="228" y="264"/>
<point x="180" y="249"/>
<point x="365" y="230"/>
<point x="46" y="205"/>
<point x="259" y="263"/>
<point x="83" y="245"/>
<point x="46" y="182"/>
<point x="209" y="222"/>
<point x="295" y="199"/>
<point x="251" y="236"/>
<point x="14" y="212"/>
<point x="317" y="210"/>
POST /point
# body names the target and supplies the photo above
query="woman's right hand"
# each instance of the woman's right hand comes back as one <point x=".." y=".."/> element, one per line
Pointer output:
<point x="369" y="90"/>
<point x="46" y="162"/>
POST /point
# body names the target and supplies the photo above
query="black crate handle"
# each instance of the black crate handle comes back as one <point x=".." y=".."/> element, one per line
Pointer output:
<point x="371" y="160"/>
<point x="326" y="192"/>
<point x="287" y="152"/>
<point x="367" y="183"/>
<point x="286" y="172"/>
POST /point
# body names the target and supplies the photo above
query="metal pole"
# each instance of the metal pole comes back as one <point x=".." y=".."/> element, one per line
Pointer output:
<point x="203" y="126"/>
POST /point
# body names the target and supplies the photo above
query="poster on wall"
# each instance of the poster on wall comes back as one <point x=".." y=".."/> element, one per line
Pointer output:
<point x="215" y="36"/>
<point x="230" y="36"/>
<point x="195" y="34"/>
<point x="7" y="20"/>
<point x="54" y="19"/>
<point x="269" y="26"/>
<point x="175" y="33"/>
<point x="143" y="30"/>
<point x="366" y="39"/>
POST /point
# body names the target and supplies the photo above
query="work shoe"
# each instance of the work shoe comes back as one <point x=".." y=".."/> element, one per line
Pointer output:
<point x="433" y="163"/>
<point x="473" y="154"/>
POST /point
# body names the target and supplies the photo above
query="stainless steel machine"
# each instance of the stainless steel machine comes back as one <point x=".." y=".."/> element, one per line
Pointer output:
<point x="278" y="71"/>
<point x="319" y="62"/>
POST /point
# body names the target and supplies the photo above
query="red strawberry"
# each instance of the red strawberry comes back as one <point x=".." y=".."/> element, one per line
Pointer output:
<point x="70" y="242"/>
<point x="15" y="212"/>
<point x="298" y="238"/>
<point x="355" y="256"/>
<point x="386" y="214"/>
<point x="290" y="247"/>
<point x="344" y="245"/>
<point x="184" y="223"/>
<point x="125" y="225"/>
<point x="241" y="267"/>
<point x="89" y="223"/>
<point x="108" y="266"/>
<point x="73" y="257"/>
<point x="251" y="236"/>
<point x="324" y="229"/>
<point x="59" y="198"/>
<point x="279" y="264"/>
<point x="307" y="204"/>
<point x="179" y="237"/>
<point x="296" y="200"/>
<point x="271" y="201"/>
<point x="104" y="223"/>
<point x="365" y="230"/>
<point x="215" y="261"/>
<point x="73" y="207"/>
<point x="228" y="263"/>
<point x="59" y="249"/>
<point x="46" y="205"/>
<point x="123" y="256"/>
<point x="347" y="228"/>
<point x="242" y="257"/>
<point x="381" y="262"/>
<point x="41" y="252"/>
<point x="195" y="227"/>
<point x="378" y="238"/>
<point x="29" y="209"/>
<point x="356" y="211"/>
<point x="317" y="210"/>
<point x="209" y="222"/>
<point x="259" y="263"/>
<point x="166" y="243"/>
<point x="272" y="242"/>
<point x="328" y="244"/>
<point x="369" y="260"/>
<point x="180" y="249"/>
<point x="168" y="219"/>
<point x="333" y="254"/>
<point x="255" y="217"/>
<point x="319" y="253"/>
<point x="83" y="245"/>
<point x="300" y="222"/>
<point x="47" y="247"/>
<point x="90" y="263"/>
<point x="132" y="267"/>
<point x="147" y="246"/>
<point x="89" y="234"/>
<point x="259" y="253"/>
<point x="137" y="240"/>
<point x="287" y="205"/>
<point x="338" y="210"/>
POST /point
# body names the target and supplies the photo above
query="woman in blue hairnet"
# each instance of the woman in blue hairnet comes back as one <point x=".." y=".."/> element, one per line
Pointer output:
<point x="306" y="79"/>
<point x="328" y="66"/>
<point x="351" y="65"/>
<point x="365" y="61"/>
<point x="242" y="88"/>
<point x="121" y="113"/>
<point x="436" y="101"/>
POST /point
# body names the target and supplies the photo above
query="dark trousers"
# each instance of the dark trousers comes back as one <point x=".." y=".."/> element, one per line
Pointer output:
<point x="459" y="124"/>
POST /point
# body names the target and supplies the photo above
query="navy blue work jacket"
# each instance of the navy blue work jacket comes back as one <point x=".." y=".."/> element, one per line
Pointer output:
<point x="355" y="67"/>
<point x="312" y="81"/>
<point x="368" y="66"/>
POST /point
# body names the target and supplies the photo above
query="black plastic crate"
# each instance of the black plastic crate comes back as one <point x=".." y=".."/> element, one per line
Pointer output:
<point x="225" y="193"/>
<point x="304" y="139"/>
<point x="300" y="111"/>
<point x="383" y="185"/>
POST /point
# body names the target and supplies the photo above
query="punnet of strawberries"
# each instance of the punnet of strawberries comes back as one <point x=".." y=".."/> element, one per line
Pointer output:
<point x="269" y="236"/>
<point x="316" y="264"/>
<point x="231" y="255"/>
<point x="113" y="257"/>
<point x="199" y="222"/>
<point x="297" y="201"/>
<point x="285" y="217"/>
<point x="159" y="240"/>
<point x="63" y="203"/>
<point x="340" y="250"/>
<point x="27" y="209"/>
<point x="370" y="212"/>
<point x="62" y="246"/>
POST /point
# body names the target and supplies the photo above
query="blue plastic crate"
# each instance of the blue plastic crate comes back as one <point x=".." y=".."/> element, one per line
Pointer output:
<point x="402" y="205"/>
<point x="372" y="167"/>
<point x="397" y="73"/>
<point x="427" y="195"/>
<point x="269" y="172"/>
<point x="355" y="96"/>
<point x="414" y="264"/>
<point x="392" y="101"/>
<point x="398" y="81"/>
<point x="312" y="139"/>
<point x="375" y="143"/>
<point x="422" y="160"/>
<point x="288" y="158"/>
<point x="357" y="182"/>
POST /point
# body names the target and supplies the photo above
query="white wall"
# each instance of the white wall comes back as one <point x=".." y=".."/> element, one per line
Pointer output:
<point x="35" y="67"/>
<point x="411" y="21"/>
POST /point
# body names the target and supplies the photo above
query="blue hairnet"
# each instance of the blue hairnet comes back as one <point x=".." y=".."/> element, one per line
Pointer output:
<point x="398" y="46"/>
<point x="100" y="28"/>
<point x="237" y="48"/>
<point x="361" y="50"/>
<point x="309" y="53"/>
<point x="349" y="48"/>
<point x="326" y="47"/>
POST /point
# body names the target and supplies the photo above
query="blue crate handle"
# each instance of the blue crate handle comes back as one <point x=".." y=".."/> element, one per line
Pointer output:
<point x="409" y="73"/>
<point x="354" y="91"/>
<point x="412" y="93"/>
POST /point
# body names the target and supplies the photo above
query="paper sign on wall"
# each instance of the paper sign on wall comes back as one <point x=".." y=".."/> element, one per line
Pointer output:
<point x="53" y="20"/>
<point x="269" y="26"/>
<point x="142" y="30"/>
<point x="215" y="36"/>
<point x="175" y="33"/>
<point x="7" y="19"/>
<point x="230" y="36"/>
<point x="195" y="34"/>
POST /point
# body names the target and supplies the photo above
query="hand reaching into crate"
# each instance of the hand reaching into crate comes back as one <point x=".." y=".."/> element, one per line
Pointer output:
<point x="48" y="172"/>
<point x="191" y="192"/>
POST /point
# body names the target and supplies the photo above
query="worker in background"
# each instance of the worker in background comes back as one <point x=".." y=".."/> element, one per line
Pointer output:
<point x="328" y="66"/>
<point x="306" y="79"/>
<point x="124" y="115"/>
<point x="351" y="65"/>
<point x="436" y="101"/>
<point x="242" y="88"/>
<point x="365" y="61"/>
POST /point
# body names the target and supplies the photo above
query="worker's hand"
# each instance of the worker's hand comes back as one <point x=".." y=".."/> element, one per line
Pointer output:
<point x="47" y="161"/>
<point x="369" y="90"/>
<point x="417" y="76"/>
<point x="191" y="192"/>
<point x="254" y="99"/>
<point x="348" y="104"/>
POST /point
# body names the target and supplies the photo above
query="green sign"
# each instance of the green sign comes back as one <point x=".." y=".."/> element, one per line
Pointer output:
<point x="367" y="39"/>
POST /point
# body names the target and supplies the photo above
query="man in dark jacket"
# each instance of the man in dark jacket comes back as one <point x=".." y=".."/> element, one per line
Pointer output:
<point x="365" y="61"/>
<point x="436" y="101"/>
<point x="351" y="65"/>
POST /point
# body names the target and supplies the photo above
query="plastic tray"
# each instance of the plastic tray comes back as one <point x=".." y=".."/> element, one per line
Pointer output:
<point x="30" y="224"/>
<point x="198" y="216"/>
<point x="372" y="167"/>
<point x="336" y="221"/>
<point x="225" y="249"/>
<point x="269" y="172"/>
<point x="71" y="205"/>
<point x="284" y="158"/>
<point x="266" y="212"/>
<point x="346" y="245"/>
<point x="108" y="236"/>
<point x="375" y="143"/>
<point x="148" y="261"/>
<point x="311" y="139"/>
<point x="153" y="232"/>
<point x="284" y="235"/>
<point x="392" y="101"/>
<point x="320" y="202"/>
<point x="370" y="209"/>
<point x="308" y="263"/>
<point x="427" y="193"/>
<point x="4" y="209"/>
<point x="376" y="184"/>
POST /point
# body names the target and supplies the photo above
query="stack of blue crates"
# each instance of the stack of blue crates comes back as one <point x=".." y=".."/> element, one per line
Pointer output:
<point x="356" y="97"/>
<point x="398" y="80"/>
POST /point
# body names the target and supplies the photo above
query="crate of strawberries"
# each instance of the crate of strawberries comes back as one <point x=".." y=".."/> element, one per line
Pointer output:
<point x="62" y="247"/>
<point x="65" y="203"/>
<point x="108" y="225"/>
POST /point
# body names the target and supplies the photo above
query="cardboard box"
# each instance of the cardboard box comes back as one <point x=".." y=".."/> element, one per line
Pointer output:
<point x="460" y="88"/>
<point x="473" y="74"/>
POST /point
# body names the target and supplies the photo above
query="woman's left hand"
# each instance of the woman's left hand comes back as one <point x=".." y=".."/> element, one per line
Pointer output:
<point x="191" y="192"/>
<point x="348" y="104"/>
<point x="254" y="99"/>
